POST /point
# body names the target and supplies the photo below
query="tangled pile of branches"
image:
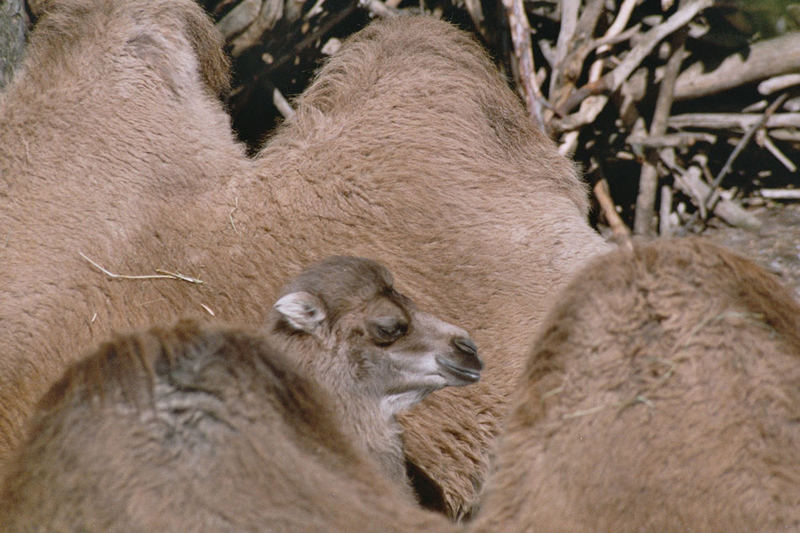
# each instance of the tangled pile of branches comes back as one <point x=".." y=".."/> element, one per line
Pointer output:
<point x="678" y="110"/>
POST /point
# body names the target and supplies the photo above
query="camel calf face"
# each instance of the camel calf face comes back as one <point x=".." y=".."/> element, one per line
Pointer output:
<point x="346" y="326"/>
<point x="370" y="335"/>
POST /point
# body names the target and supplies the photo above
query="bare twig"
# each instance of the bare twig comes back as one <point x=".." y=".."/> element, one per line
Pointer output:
<point x="615" y="222"/>
<point x="162" y="274"/>
<point x="785" y="135"/>
<point x="378" y="8"/>
<point x="521" y="38"/>
<point x="671" y="140"/>
<point x="612" y="81"/>
<point x="239" y="18"/>
<point x="13" y="28"/>
<point x="711" y="198"/>
<point x="475" y="11"/>
<point x="581" y="43"/>
<point x="621" y="20"/>
<point x="762" y="138"/>
<point x="249" y="32"/>
<point x="780" y="194"/>
<point x="664" y="225"/>
<point x="692" y="184"/>
<point x="281" y="104"/>
<point x="569" y="23"/>
<point x="763" y="60"/>
<point x="726" y="121"/>
<point x="592" y="105"/>
<point x="648" y="179"/>
<point x="778" y="83"/>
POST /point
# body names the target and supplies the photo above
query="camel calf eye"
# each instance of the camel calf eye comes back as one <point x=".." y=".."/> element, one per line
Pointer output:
<point x="386" y="330"/>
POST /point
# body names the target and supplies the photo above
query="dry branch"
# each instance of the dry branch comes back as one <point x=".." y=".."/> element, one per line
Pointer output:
<point x="709" y="200"/>
<point x="269" y="12"/>
<point x="239" y="18"/>
<point x="778" y="83"/>
<point x="648" y="179"/>
<point x="521" y="38"/>
<point x="569" y="23"/>
<point x="615" y="222"/>
<point x="692" y="184"/>
<point x="763" y="60"/>
<point x="732" y="121"/>
<point x="781" y="194"/>
<point x="664" y="224"/>
<point x="763" y="140"/>
<point x="282" y="104"/>
<point x="378" y="8"/>
<point x="614" y="79"/>
<point x="671" y="140"/>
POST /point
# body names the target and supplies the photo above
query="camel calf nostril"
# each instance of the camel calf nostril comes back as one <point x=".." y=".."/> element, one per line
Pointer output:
<point x="466" y="346"/>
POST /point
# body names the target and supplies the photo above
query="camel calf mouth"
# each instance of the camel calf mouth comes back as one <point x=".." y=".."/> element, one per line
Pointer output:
<point x="459" y="371"/>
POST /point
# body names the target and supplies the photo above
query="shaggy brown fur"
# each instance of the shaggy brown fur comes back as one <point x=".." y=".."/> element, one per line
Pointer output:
<point x="408" y="148"/>
<point x="195" y="429"/>
<point x="662" y="394"/>
<point x="110" y="121"/>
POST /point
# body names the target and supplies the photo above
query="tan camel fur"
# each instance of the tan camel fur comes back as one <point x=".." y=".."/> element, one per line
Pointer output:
<point x="662" y="394"/>
<point x="408" y="148"/>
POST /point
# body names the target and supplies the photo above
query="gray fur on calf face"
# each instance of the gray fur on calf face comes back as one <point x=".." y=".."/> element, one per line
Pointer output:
<point x="380" y="340"/>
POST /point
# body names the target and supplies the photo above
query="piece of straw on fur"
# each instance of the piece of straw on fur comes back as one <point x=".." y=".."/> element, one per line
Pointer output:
<point x="161" y="274"/>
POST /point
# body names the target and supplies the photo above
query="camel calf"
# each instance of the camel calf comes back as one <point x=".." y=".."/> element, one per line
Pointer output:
<point x="662" y="394"/>
<point x="344" y="324"/>
<point x="222" y="429"/>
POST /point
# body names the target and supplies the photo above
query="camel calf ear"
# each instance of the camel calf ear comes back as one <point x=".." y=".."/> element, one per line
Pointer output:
<point x="301" y="310"/>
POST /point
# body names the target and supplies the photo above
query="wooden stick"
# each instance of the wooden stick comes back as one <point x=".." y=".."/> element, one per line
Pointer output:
<point x="785" y="135"/>
<point x="664" y="226"/>
<point x="603" y="195"/>
<point x="378" y="8"/>
<point x="282" y="104"/>
<point x="569" y="23"/>
<point x="648" y="179"/>
<point x="778" y="83"/>
<point x="269" y="13"/>
<point x="712" y="195"/>
<point x="690" y="181"/>
<point x="568" y="70"/>
<point x="780" y="194"/>
<point x="13" y="28"/>
<point x="671" y="140"/>
<point x="725" y="121"/>
<point x="475" y="11"/>
<point x="762" y="60"/>
<point x="763" y="140"/>
<point x="593" y="105"/>
<point x="521" y="38"/>
<point x="239" y="18"/>
<point x="612" y="81"/>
